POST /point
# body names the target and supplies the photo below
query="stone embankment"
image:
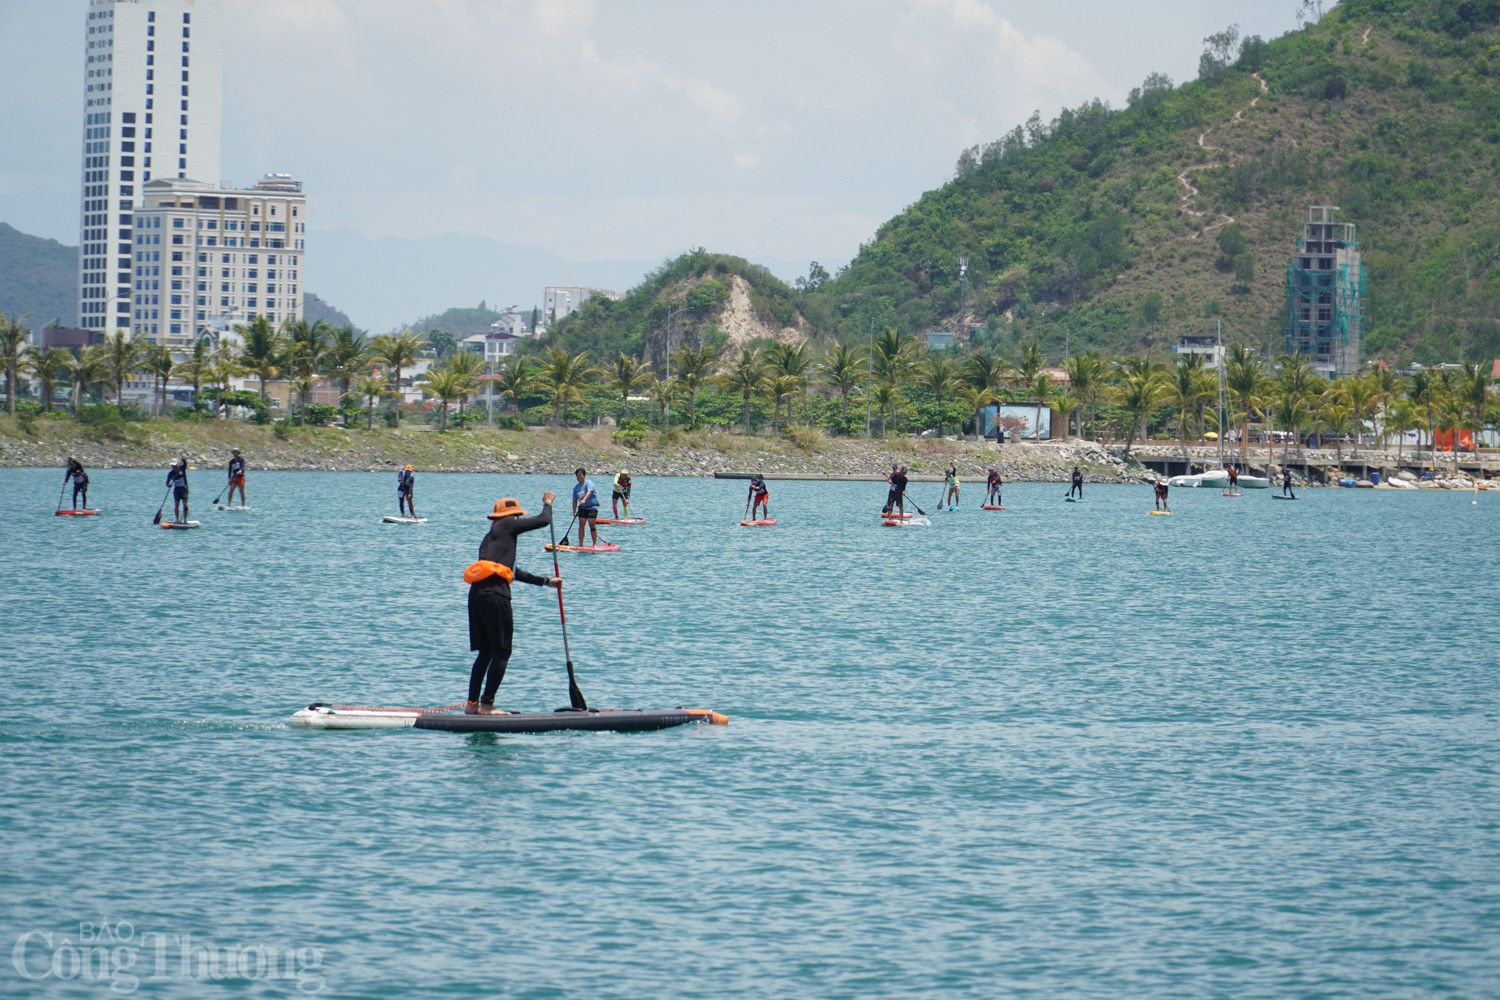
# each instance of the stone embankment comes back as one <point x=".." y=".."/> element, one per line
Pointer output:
<point x="49" y="442"/>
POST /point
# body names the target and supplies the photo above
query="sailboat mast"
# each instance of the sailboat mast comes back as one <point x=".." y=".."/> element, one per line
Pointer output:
<point x="1219" y="357"/>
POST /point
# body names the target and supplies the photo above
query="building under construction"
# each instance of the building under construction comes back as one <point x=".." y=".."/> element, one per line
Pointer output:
<point x="1325" y="288"/>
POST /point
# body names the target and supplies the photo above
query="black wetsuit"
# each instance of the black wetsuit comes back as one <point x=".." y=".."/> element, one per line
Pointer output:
<point x="892" y="495"/>
<point x="80" y="482"/>
<point x="1077" y="484"/>
<point x="1286" y="484"/>
<point x="898" y="486"/>
<point x="491" y="624"/>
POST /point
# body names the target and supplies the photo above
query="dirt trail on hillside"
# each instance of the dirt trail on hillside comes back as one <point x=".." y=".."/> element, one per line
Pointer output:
<point x="1190" y="191"/>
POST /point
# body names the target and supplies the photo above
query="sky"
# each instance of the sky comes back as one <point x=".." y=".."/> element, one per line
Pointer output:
<point x="781" y="130"/>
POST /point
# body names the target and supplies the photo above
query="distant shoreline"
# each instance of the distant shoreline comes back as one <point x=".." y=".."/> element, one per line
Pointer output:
<point x="44" y="443"/>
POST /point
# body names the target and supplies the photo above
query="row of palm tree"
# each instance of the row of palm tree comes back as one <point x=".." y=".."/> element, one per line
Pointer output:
<point x="1285" y="394"/>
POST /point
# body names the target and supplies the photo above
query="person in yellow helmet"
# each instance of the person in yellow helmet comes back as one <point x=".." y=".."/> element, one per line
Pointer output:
<point x="491" y="622"/>
<point x="406" y="484"/>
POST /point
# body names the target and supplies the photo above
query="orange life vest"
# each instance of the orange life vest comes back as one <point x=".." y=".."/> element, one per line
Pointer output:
<point x="485" y="568"/>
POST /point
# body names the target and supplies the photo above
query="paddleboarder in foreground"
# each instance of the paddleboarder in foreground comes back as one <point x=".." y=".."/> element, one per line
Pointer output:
<point x="1077" y="483"/>
<point x="236" y="476"/>
<point x="177" y="480"/>
<point x="759" y="499"/>
<point x="80" y="482"/>
<point x="1161" y="495"/>
<point x="406" y="485"/>
<point x="585" y="505"/>
<point x="950" y="493"/>
<point x="491" y="623"/>
<point x="1234" y="478"/>
<point x="1286" y="484"/>
<point x="995" y="485"/>
<point x="620" y="492"/>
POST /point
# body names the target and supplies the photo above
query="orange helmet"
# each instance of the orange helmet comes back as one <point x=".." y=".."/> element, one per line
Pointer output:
<point x="505" y="507"/>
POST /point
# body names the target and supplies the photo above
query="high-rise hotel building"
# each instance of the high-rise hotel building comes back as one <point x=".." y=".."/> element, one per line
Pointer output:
<point x="152" y="107"/>
<point x="209" y="257"/>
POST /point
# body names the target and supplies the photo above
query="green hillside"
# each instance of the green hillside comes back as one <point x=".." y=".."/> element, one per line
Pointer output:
<point x="1125" y="228"/>
<point x="40" y="278"/>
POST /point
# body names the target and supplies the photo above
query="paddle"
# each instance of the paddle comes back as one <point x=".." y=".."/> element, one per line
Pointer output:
<point x="575" y="696"/>
<point x="747" y="509"/>
<point x="60" y="494"/>
<point x="157" y="518"/>
<point x="221" y="495"/>
<point x="914" y="504"/>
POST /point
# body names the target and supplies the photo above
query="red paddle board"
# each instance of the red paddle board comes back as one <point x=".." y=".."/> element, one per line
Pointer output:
<point x="758" y="524"/>
<point x="893" y="516"/>
<point x="601" y="547"/>
<point x="78" y="513"/>
<point x="990" y="506"/>
<point x="619" y="520"/>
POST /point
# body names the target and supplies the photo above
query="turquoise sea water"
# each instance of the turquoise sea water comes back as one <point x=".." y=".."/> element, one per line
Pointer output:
<point x="1060" y="750"/>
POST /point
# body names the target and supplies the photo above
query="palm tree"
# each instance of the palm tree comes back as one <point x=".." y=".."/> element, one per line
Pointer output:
<point x="894" y="356"/>
<point x="395" y="352"/>
<point x="1192" y="388"/>
<point x="514" y="379"/>
<point x="348" y="357"/>
<point x="1473" y="390"/>
<point x="1245" y="378"/>
<point x="1403" y="416"/>
<point x="1140" y="390"/>
<point x="122" y="358"/>
<point x="306" y="357"/>
<point x="1032" y="361"/>
<point x="1290" y="414"/>
<point x="1336" y="416"/>
<point x="843" y="369"/>
<point x="1455" y="416"/>
<point x="886" y="395"/>
<point x="562" y="376"/>
<point x="1362" y="394"/>
<point x="370" y="388"/>
<point x="626" y="376"/>
<point x="468" y="366"/>
<point x="692" y="367"/>
<point x="747" y="376"/>
<point x="1042" y="389"/>
<point x="157" y="360"/>
<point x="447" y="385"/>
<point x="1422" y="390"/>
<point x="223" y="368"/>
<point x="86" y="371"/>
<point x="790" y="365"/>
<point x="194" y="368"/>
<point x="48" y="365"/>
<point x="1065" y="402"/>
<point x="659" y="391"/>
<point x="13" y="339"/>
<point x="939" y="375"/>
<point x="1087" y="373"/>
<point x="974" y="399"/>
<point x="983" y="370"/>
<point x="264" y="350"/>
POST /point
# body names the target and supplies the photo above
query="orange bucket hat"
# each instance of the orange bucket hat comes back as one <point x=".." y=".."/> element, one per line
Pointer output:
<point x="505" y="507"/>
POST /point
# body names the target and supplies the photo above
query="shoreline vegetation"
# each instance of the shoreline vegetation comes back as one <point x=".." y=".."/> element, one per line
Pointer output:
<point x="153" y="444"/>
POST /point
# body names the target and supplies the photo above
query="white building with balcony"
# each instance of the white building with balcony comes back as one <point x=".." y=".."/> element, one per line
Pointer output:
<point x="208" y="257"/>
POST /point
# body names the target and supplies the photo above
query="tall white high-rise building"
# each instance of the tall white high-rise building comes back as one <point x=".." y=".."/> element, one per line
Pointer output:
<point x="153" y="99"/>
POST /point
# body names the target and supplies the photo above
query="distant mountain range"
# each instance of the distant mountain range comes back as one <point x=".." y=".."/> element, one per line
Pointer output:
<point x="38" y="278"/>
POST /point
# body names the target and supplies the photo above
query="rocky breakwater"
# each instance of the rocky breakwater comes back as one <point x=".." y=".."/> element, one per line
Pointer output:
<point x="156" y="444"/>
